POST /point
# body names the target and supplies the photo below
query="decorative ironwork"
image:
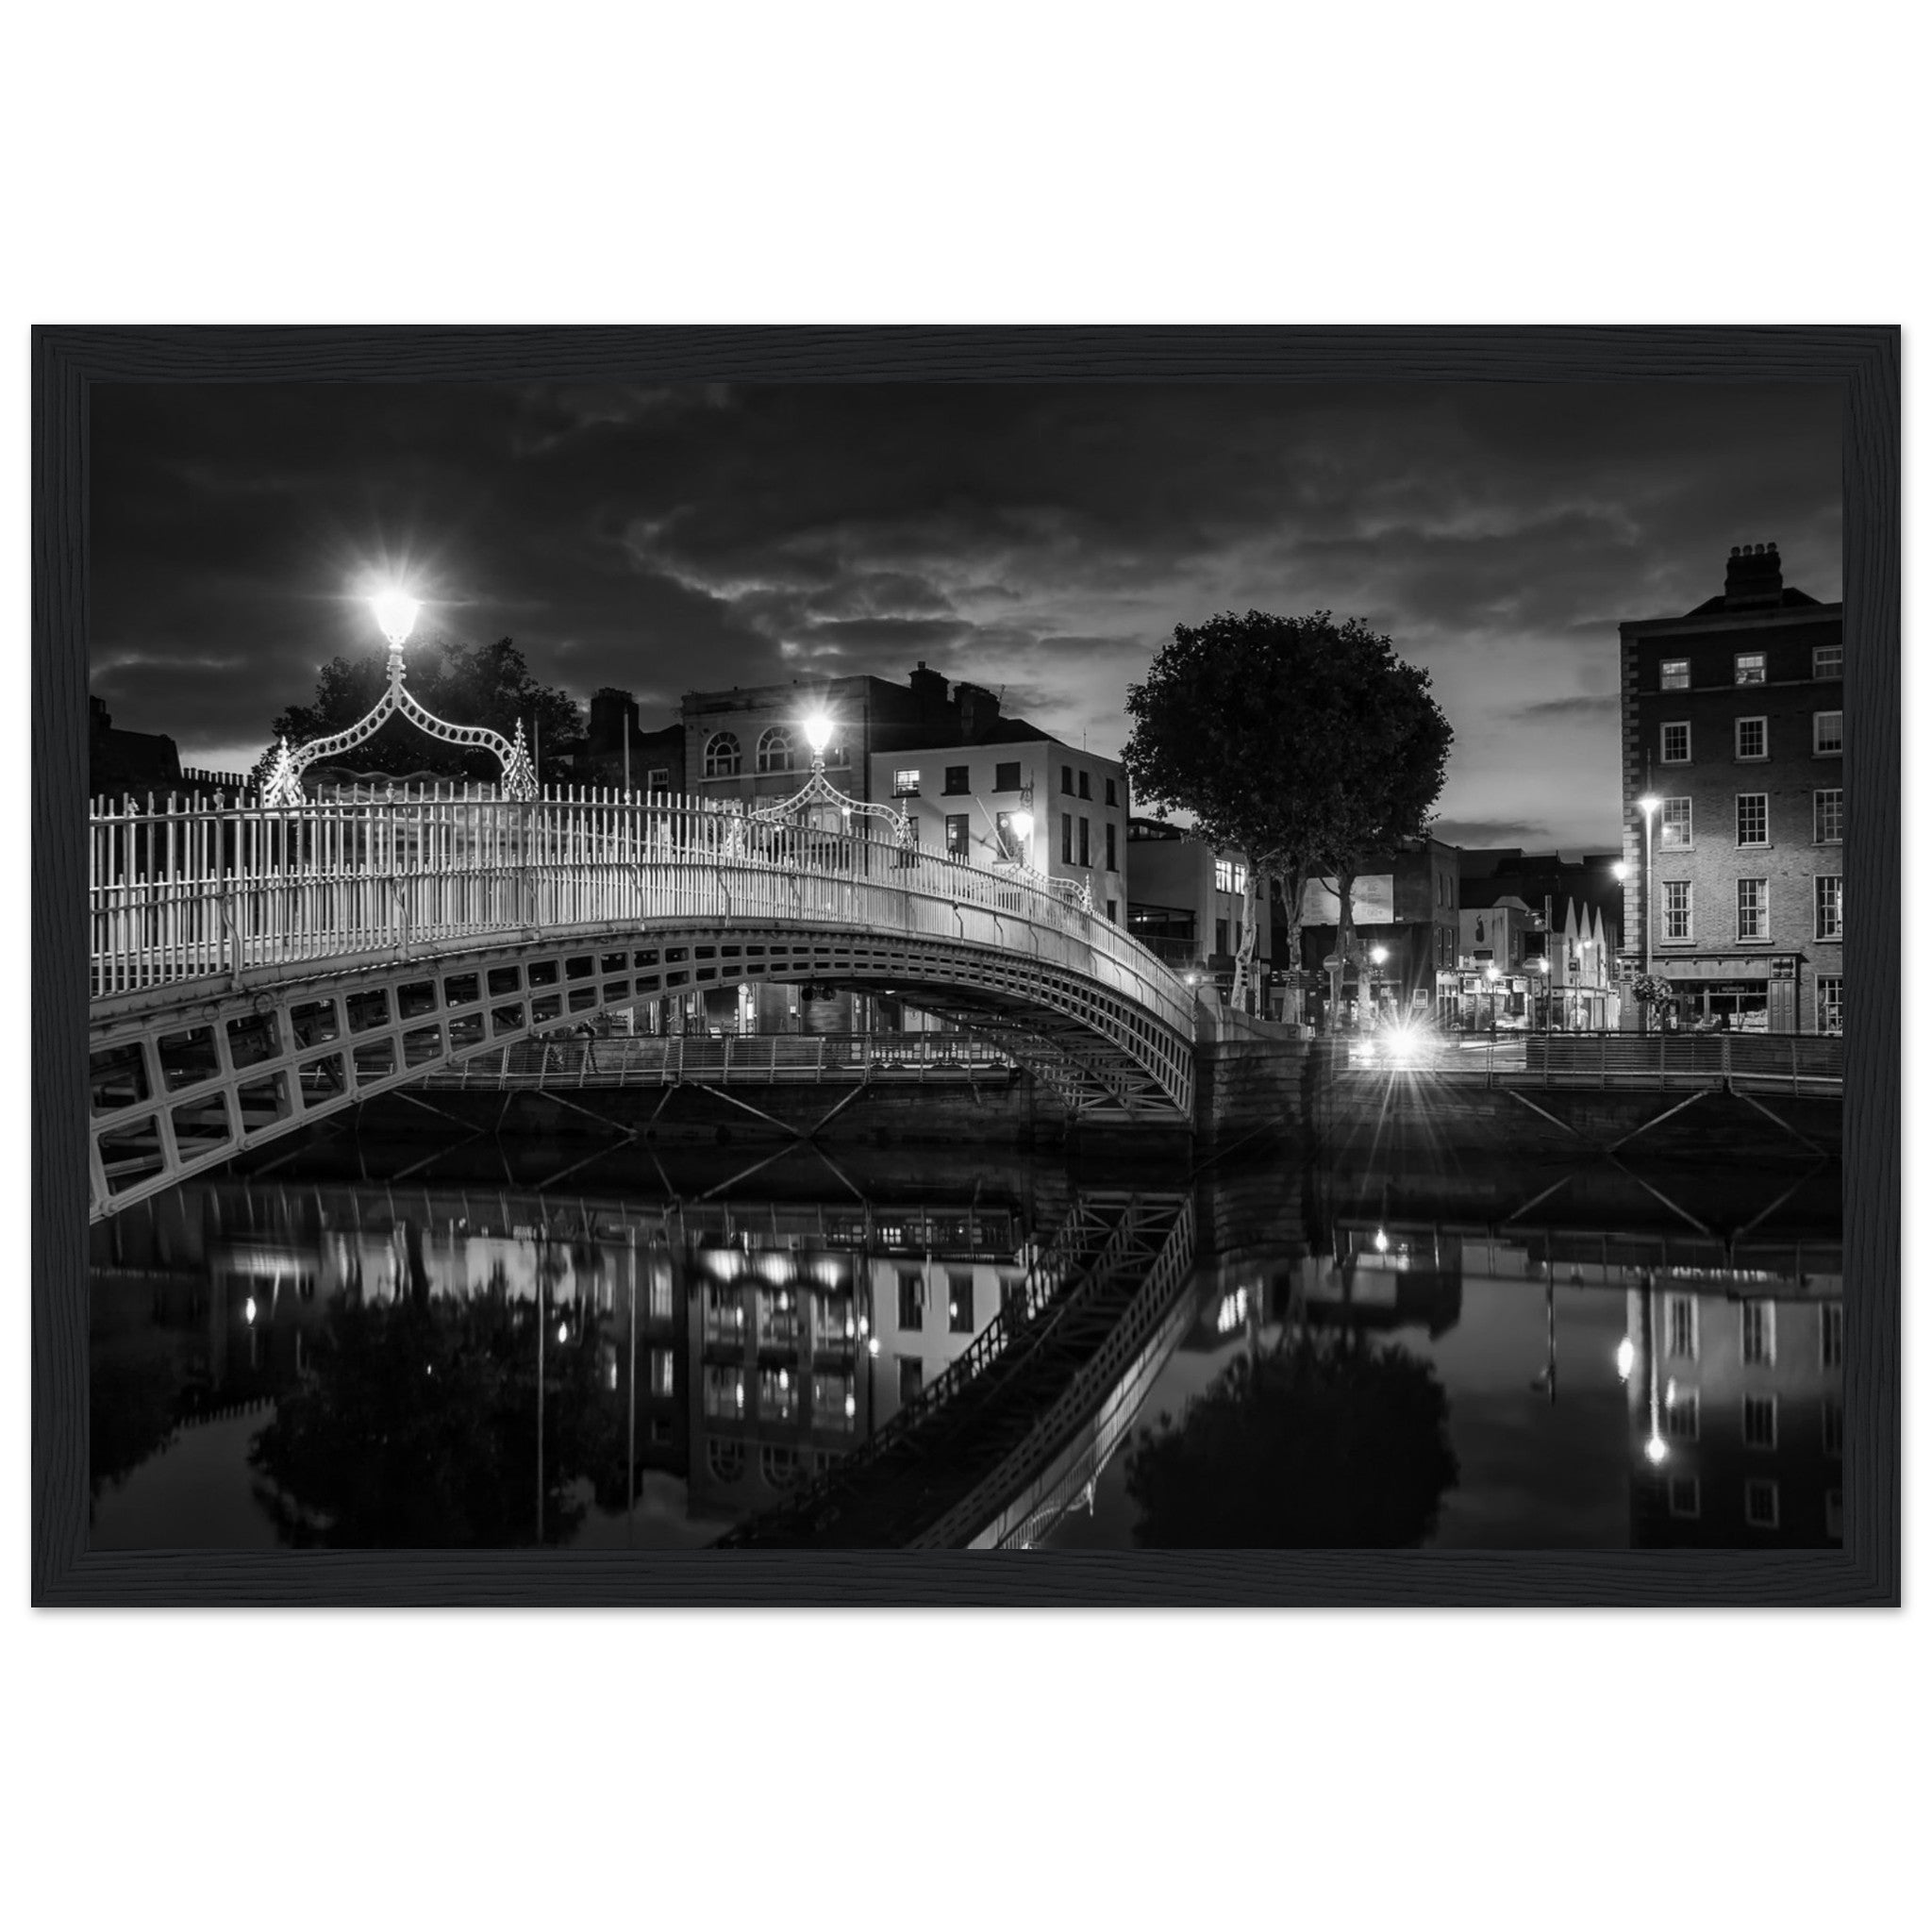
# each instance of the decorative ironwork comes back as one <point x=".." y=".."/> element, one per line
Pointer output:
<point x="814" y="801"/>
<point x="283" y="785"/>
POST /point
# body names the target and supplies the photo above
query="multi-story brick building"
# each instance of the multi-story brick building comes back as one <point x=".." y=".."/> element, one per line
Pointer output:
<point x="1733" y="721"/>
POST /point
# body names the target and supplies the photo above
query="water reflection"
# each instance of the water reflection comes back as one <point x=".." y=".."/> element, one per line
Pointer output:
<point x="804" y="1352"/>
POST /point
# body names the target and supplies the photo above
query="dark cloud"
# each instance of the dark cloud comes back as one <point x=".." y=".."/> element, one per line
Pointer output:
<point x="1042" y="537"/>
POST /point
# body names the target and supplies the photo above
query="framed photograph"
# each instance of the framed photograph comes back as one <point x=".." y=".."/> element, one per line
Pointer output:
<point x="802" y="966"/>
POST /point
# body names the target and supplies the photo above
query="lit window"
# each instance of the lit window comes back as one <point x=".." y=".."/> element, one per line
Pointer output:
<point x="778" y="1395"/>
<point x="1828" y="733"/>
<point x="1685" y="1498"/>
<point x="1828" y="660"/>
<point x="663" y="1371"/>
<point x="1223" y="875"/>
<point x="906" y="782"/>
<point x="1009" y="839"/>
<point x="723" y="1392"/>
<point x="1828" y="817"/>
<point x="721" y="756"/>
<point x="775" y="750"/>
<point x="911" y="1301"/>
<point x="957" y="836"/>
<point x="1680" y="1327"/>
<point x="1676" y="748"/>
<point x="1833" y="1418"/>
<point x="1828" y="903"/>
<point x="1760" y="1422"/>
<point x="1673" y="823"/>
<point x="833" y="1405"/>
<point x="1831" y="1335"/>
<point x="1831" y="1005"/>
<point x="1753" y="909"/>
<point x="1674" y="673"/>
<point x="1676" y="909"/>
<point x="1750" y="738"/>
<point x="1749" y="667"/>
<point x="1760" y="1503"/>
<point x="1754" y="818"/>
<point x="959" y="1304"/>
<point x="1680" y="1414"/>
<point x="1759" y="1333"/>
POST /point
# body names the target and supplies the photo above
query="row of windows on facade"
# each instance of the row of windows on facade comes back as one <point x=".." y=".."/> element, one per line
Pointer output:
<point x="1757" y="1420"/>
<point x="1762" y="1503"/>
<point x="833" y="1321"/>
<point x="1676" y="830"/>
<point x="1678" y="904"/>
<point x="1756" y="1332"/>
<point x="1748" y="667"/>
<point x="1077" y="839"/>
<point x="908" y="782"/>
<point x="777" y="751"/>
<point x="1751" y="738"/>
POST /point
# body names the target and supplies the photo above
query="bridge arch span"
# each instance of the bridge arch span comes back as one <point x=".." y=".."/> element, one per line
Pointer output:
<point x="230" y="1010"/>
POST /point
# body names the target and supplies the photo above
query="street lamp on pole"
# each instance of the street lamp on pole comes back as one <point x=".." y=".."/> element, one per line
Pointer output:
<point x="1647" y="805"/>
<point x="1022" y="823"/>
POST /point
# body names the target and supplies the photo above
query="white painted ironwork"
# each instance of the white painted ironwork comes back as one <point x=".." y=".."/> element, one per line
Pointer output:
<point x="819" y="805"/>
<point x="254" y="967"/>
<point x="283" y="784"/>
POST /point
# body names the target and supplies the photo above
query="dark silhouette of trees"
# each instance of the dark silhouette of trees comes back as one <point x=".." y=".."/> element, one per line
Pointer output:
<point x="417" y="1428"/>
<point x="1306" y="743"/>
<point x="1324" y="1442"/>
<point x="460" y="683"/>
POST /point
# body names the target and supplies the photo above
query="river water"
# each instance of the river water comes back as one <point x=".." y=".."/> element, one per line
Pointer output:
<point x="652" y="1347"/>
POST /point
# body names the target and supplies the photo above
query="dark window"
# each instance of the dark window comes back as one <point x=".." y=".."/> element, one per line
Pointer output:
<point x="957" y="779"/>
<point x="1112" y="791"/>
<point x="1113" y="911"/>
<point x="1006" y="777"/>
<point x="1086" y="788"/>
<point x="1086" y="856"/>
<point x="1113" y="850"/>
<point x="1221" y="935"/>
<point x="956" y="834"/>
<point x="911" y="1301"/>
<point x="1067" y="780"/>
<point x="959" y="1304"/>
<point x="1066" y="837"/>
<point x="911" y="1379"/>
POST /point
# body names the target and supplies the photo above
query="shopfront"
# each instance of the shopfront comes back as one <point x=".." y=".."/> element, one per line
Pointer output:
<point x="1741" y="993"/>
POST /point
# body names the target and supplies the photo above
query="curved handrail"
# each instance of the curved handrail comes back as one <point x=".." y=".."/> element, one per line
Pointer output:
<point x="194" y="889"/>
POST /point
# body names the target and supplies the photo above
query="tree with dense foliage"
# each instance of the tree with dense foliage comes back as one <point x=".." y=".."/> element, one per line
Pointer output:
<point x="461" y="684"/>
<point x="1326" y="1441"/>
<point x="1306" y="743"/>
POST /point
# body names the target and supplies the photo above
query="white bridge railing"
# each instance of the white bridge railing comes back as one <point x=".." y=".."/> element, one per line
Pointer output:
<point x="189" y="891"/>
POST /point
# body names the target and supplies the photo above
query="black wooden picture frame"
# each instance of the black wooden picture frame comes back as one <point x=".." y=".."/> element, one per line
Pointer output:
<point x="1862" y="362"/>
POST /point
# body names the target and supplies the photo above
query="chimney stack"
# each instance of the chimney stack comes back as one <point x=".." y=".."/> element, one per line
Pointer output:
<point x="1753" y="577"/>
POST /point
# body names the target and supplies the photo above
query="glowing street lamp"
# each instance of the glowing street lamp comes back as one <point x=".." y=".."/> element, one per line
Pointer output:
<point x="1021" y="826"/>
<point x="1647" y="805"/>
<point x="1627" y="1359"/>
<point x="1378" y="955"/>
<point x="395" y="617"/>
<point x="818" y="734"/>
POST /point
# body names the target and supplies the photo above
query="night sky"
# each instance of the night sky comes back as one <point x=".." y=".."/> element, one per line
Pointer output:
<point x="1046" y="540"/>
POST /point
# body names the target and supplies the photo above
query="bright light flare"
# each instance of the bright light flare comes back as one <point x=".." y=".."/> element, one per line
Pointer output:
<point x="1022" y="823"/>
<point x="1627" y="1359"/>
<point x="1656" y="1449"/>
<point x="1378" y="955"/>
<point x="395" y="614"/>
<point x="817" y="732"/>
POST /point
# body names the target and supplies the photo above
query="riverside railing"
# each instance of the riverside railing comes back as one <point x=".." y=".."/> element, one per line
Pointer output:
<point x="759" y="1059"/>
<point x="185" y="889"/>
<point x="1776" y="1063"/>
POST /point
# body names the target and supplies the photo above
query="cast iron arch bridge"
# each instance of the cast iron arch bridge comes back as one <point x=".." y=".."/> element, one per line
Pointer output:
<point x="258" y="967"/>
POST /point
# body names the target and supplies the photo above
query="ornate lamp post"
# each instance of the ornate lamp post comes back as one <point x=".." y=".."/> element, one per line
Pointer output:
<point x="396" y="616"/>
<point x="1647" y="805"/>
<point x="818" y="804"/>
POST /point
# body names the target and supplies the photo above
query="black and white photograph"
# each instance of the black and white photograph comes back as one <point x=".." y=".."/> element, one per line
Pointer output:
<point x="1050" y="966"/>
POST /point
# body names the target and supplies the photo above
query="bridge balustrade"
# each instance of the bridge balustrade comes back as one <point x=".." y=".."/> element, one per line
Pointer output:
<point x="189" y="890"/>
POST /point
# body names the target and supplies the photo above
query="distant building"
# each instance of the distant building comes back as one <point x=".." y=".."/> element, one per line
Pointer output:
<point x="1734" y="721"/>
<point x="1187" y="902"/>
<point x="1404" y="904"/>
<point x="140" y="762"/>
<point x="617" y="750"/>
